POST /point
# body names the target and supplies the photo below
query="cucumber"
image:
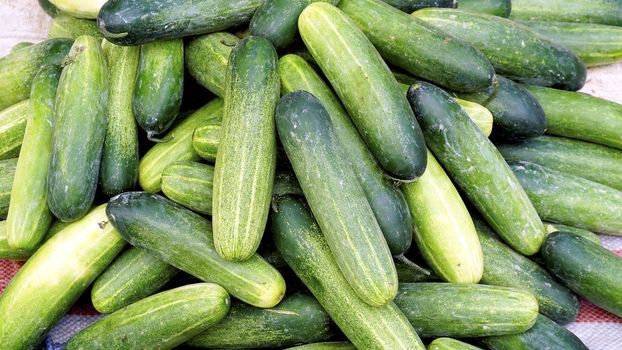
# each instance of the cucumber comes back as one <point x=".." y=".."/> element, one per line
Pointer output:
<point x="177" y="148"/>
<point x="189" y="184"/>
<point x="501" y="8"/>
<point x="205" y="140"/>
<point x="545" y="334"/>
<point x="499" y="39"/>
<point x="65" y="26"/>
<point x="367" y="89"/>
<point x="54" y="277"/>
<point x="130" y="22"/>
<point x="7" y="175"/>
<point x="585" y="267"/>
<point x="335" y="345"/>
<point x="13" y="128"/>
<point x="480" y="115"/>
<point x="419" y="48"/>
<point x="599" y="11"/>
<point x="133" y="275"/>
<point x="161" y="321"/>
<point x="29" y="216"/>
<point x="571" y="200"/>
<point x="6" y="251"/>
<point x="444" y="231"/>
<point x="475" y="165"/>
<point x="347" y="221"/>
<point x="303" y="247"/>
<point x="450" y="344"/>
<point x="49" y="8"/>
<point x="159" y="85"/>
<point x="386" y="200"/>
<point x="413" y="5"/>
<point x="589" y="235"/>
<point x="455" y="310"/>
<point x="299" y="318"/>
<point x="79" y="8"/>
<point x="506" y="268"/>
<point x="184" y="239"/>
<point x="21" y="45"/>
<point x="591" y="161"/>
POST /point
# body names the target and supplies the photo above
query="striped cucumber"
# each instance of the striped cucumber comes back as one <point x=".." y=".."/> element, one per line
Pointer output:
<point x="501" y="8"/>
<point x="367" y="89"/>
<point x="6" y="251"/>
<point x="589" y="235"/>
<point x="65" y="26"/>
<point x="587" y="11"/>
<point x="13" y="127"/>
<point x="414" y="5"/>
<point x="189" y="184"/>
<point x="450" y="344"/>
<point x="335" y="345"/>
<point x="79" y="8"/>
<point x="7" y="175"/>
<point x="205" y="140"/>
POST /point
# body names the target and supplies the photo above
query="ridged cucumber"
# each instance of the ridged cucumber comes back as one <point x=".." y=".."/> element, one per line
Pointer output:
<point x="65" y="26"/>
<point x="589" y="235"/>
<point x="501" y="8"/>
<point x="6" y="251"/>
<point x="587" y="11"/>
<point x="205" y="140"/>
<point x="189" y="184"/>
<point x="79" y="8"/>
<point x="336" y="345"/>
<point x="413" y="5"/>
<point x="450" y="344"/>
<point x="7" y="175"/>
<point x="13" y="128"/>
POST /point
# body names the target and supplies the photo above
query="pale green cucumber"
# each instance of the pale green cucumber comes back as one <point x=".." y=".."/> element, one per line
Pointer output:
<point x="450" y="344"/>
<point x="64" y="26"/>
<point x="12" y="128"/>
<point x="79" y="8"/>
<point x="7" y="175"/>
<point x="189" y="184"/>
<point x="8" y="253"/>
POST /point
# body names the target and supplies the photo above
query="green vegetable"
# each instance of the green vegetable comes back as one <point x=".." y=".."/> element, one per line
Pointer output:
<point x="587" y="11"/>
<point x="13" y="127"/>
<point x="325" y="346"/>
<point x="589" y="235"/>
<point x="64" y="26"/>
<point x="6" y="251"/>
<point x="450" y="344"/>
<point x="189" y="184"/>
<point x="413" y="5"/>
<point x="79" y="8"/>
<point x="205" y="140"/>
<point x="49" y="8"/>
<point x="479" y="114"/>
<point x="21" y="45"/>
<point x="501" y="8"/>
<point x="7" y="174"/>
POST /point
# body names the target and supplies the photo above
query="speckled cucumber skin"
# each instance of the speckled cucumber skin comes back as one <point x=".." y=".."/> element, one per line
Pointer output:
<point x="588" y="11"/>
<point x="419" y="48"/>
<point x="182" y="238"/>
<point x="475" y="165"/>
<point x="367" y="88"/>
<point x="79" y="8"/>
<point x="450" y="344"/>
<point x="589" y="235"/>
<point x="303" y="247"/>
<point x="336" y="345"/>
<point x="189" y="184"/>
<point x="501" y="8"/>
<point x="65" y="26"/>
<point x="207" y="57"/>
<point x="132" y="22"/>
<point x="54" y="277"/>
<point x="205" y="140"/>
<point x="413" y="5"/>
<point x="511" y="48"/>
<point x="134" y="275"/>
<point x="299" y="318"/>
<point x="7" y="174"/>
<point x="161" y="321"/>
<point x="570" y="199"/>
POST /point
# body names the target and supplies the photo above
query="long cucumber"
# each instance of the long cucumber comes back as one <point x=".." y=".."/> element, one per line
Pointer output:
<point x="12" y="128"/>
<point x="587" y="11"/>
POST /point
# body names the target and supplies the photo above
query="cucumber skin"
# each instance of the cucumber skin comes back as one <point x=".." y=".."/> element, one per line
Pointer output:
<point x="367" y="91"/>
<point x="7" y="175"/>
<point x="299" y="318"/>
<point x="6" y="252"/>
<point x="49" y="8"/>
<point x="386" y="200"/>
<point x="205" y="140"/>
<point x="450" y="344"/>
<point x="161" y="321"/>
<point x="586" y="268"/>
<point x="497" y="38"/>
<point x="501" y="8"/>
<point x="413" y="5"/>
<point x="21" y="45"/>
<point x="481" y="116"/>
<point x="134" y="275"/>
<point x="468" y="157"/>
<point x="189" y="184"/>
<point x="419" y="48"/>
<point x="159" y="85"/>
<point x="183" y="239"/>
<point x="54" y="277"/>
<point x="335" y="345"/>
<point x="13" y="127"/>
<point x="589" y="235"/>
<point x="65" y="26"/>
<point x="79" y="131"/>
<point x="128" y="22"/>
<point x="79" y="8"/>
<point x="303" y="247"/>
<point x="586" y="11"/>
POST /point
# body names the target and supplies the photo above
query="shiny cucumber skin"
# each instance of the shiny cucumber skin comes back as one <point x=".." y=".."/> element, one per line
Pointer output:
<point x="13" y="127"/>
<point x="183" y="239"/>
<point x="588" y="269"/>
<point x="571" y="200"/>
<point x="585" y="11"/>
<point x="177" y="148"/>
<point x="303" y="247"/>
<point x="119" y="165"/>
<point x="594" y="162"/>
<point x="54" y="277"/>
<point x="79" y="131"/>
<point x="299" y="318"/>
<point x="49" y="8"/>
<point x="246" y="159"/>
<point x="450" y="344"/>
<point x="367" y="88"/>
<point x="79" y="8"/>
<point x="589" y="235"/>
<point x="161" y="321"/>
<point x="131" y="22"/>
<point x="7" y="175"/>
<point x="498" y="39"/>
<point x="347" y="221"/>
<point x="384" y="197"/>
<point x="29" y="216"/>
<point x="6" y="251"/>
<point x="134" y="275"/>
<point x="475" y="165"/>
<point x="189" y="184"/>
<point x="159" y="85"/>
<point x="205" y="140"/>
<point x="419" y="48"/>
<point x="506" y="268"/>
<point x="413" y="5"/>
<point x="65" y="26"/>
<point x="335" y="345"/>
<point x="501" y="8"/>
<point x="444" y="231"/>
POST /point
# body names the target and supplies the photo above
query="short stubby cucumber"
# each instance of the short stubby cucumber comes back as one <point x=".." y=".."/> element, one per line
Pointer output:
<point x="189" y="184"/>
<point x="205" y="140"/>
<point x="586" y="11"/>
<point x="450" y="344"/>
<point x="13" y="127"/>
<point x="65" y="26"/>
<point x="501" y="8"/>
<point x="414" y="5"/>
<point x="79" y="8"/>
<point x="7" y="175"/>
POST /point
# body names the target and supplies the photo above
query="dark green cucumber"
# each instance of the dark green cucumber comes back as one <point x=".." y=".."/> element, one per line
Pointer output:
<point x="184" y="239"/>
<point x="189" y="184"/>
<point x="585" y="267"/>
<point x="475" y="165"/>
<point x="450" y="344"/>
<point x="591" y="161"/>
<point x="589" y="235"/>
<point x="79" y="130"/>
<point x="159" y="85"/>
<point x="18" y="68"/>
<point x="545" y="334"/>
<point x="132" y="276"/>
<point x="205" y="140"/>
<point x="587" y="11"/>
<point x="336" y="345"/>
<point x="303" y="247"/>
<point x="6" y="252"/>
<point x="49" y="8"/>
<point x="501" y="8"/>
<point x="367" y="89"/>
<point x="299" y="318"/>
<point x="65" y="26"/>
<point x="505" y="267"/>
<point x="414" y="5"/>
<point x="128" y="22"/>
<point x="347" y="221"/>
<point x="13" y="128"/>
<point x="419" y="48"/>
<point x="7" y="175"/>
<point x="54" y="278"/>
<point x="512" y="48"/>
<point x="570" y="199"/>
<point x="161" y="321"/>
<point x="386" y="200"/>
<point x="79" y="8"/>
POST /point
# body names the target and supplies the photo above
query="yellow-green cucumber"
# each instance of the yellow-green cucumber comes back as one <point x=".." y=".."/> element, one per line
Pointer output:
<point x="7" y="175"/>
<point x="555" y="227"/>
<point x="64" y="26"/>
<point x="450" y="344"/>
<point x="189" y="184"/>
<point x="12" y="128"/>
<point x="79" y="8"/>
<point x="6" y="251"/>
<point x="332" y="345"/>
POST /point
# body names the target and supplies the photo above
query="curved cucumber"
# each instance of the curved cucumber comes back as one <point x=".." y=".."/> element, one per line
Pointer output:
<point x="587" y="11"/>
<point x="589" y="235"/>
<point x="413" y="5"/>
<point x="189" y="184"/>
<point x="7" y="175"/>
<point x="325" y="346"/>
<point x="13" y="128"/>
<point x="65" y="26"/>
<point x="501" y="8"/>
<point x="79" y="8"/>
<point x="450" y="344"/>
<point x="205" y="140"/>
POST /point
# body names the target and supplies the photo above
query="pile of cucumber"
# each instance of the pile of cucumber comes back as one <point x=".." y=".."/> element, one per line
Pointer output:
<point x="311" y="174"/>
